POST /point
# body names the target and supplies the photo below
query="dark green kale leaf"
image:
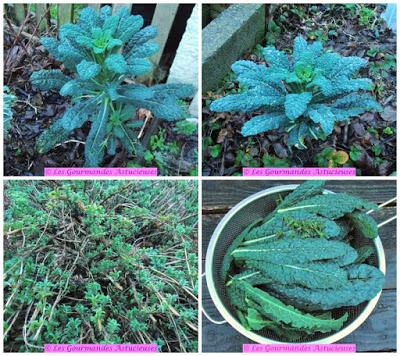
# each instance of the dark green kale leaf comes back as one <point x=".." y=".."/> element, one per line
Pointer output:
<point x="293" y="224"/>
<point x="297" y="251"/>
<point x="315" y="275"/>
<point x="332" y="206"/>
<point x="364" y="283"/>
<point x="305" y="190"/>
<point x="364" y="224"/>
<point x="227" y="260"/>
<point x="277" y="311"/>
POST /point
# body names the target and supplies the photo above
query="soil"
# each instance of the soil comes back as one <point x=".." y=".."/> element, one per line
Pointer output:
<point x="372" y="151"/>
<point x="35" y="111"/>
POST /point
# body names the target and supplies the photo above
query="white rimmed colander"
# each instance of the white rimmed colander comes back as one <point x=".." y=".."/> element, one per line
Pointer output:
<point x="240" y="216"/>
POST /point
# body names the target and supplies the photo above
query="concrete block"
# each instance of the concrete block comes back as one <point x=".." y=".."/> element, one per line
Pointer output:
<point x="184" y="69"/>
<point x="237" y="29"/>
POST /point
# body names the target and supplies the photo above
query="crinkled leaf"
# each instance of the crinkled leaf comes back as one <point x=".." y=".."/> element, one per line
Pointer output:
<point x="253" y="75"/>
<point x="332" y="206"/>
<point x="138" y="66"/>
<point x="72" y="88"/>
<point x="144" y="50"/>
<point x="116" y="63"/>
<point x="276" y="310"/>
<point x="51" y="44"/>
<point x="315" y="275"/>
<point x="276" y="58"/>
<point x="88" y="70"/>
<point x="249" y="101"/>
<point x="79" y="113"/>
<point x="176" y="90"/>
<point x="364" y="283"/>
<point x="296" y="104"/>
<point x="364" y="224"/>
<point x="95" y="145"/>
<point x="305" y="190"/>
<point x="297" y="250"/>
<point x="353" y="105"/>
<point x="48" y="79"/>
<point x="137" y="92"/>
<point x="52" y="136"/>
<point x="322" y="115"/>
<point x="262" y="123"/>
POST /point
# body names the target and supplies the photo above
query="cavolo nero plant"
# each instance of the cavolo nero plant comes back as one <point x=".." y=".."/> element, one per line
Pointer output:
<point x="304" y="95"/>
<point x="104" y="54"/>
<point x="299" y="270"/>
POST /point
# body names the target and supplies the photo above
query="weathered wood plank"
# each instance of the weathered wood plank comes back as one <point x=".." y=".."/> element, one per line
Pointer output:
<point x="20" y="13"/>
<point x="94" y="6"/>
<point x="163" y="18"/>
<point x="40" y="16"/>
<point x="377" y="333"/>
<point x="64" y="14"/>
<point x="223" y="194"/>
<point x="387" y="234"/>
<point x="116" y="7"/>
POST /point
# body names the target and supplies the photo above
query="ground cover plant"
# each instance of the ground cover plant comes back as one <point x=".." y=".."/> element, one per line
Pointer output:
<point x="298" y="271"/>
<point x="305" y="112"/>
<point x="100" y="262"/>
<point x="94" y="67"/>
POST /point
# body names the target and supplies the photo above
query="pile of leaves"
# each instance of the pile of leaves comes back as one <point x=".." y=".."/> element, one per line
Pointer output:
<point x="104" y="69"/>
<point x="366" y="142"/>
<point x="297" y="271"/>
<point x="100" y="262"/>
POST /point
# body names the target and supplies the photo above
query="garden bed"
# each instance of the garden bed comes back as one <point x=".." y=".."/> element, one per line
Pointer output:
<point x="90" y="262"/>
<point x="367" y="142"/>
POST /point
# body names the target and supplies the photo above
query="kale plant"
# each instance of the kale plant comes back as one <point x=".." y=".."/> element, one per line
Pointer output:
<point x="305" y="95"/>
<point x="89" y="262"/>
<point x="8" y="101"/>
<point x="287" y="272"/>
<point x="104" y="54"/>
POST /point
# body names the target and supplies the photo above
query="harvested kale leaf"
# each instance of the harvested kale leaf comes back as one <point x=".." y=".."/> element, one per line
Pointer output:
<point x="301" y="260"/>
<point x="312" y="275"/>
<point x="364" y="283"/>
<point x="331" y="206"/>
<point x="298" y="251"/>
<point x="274" y="309"/>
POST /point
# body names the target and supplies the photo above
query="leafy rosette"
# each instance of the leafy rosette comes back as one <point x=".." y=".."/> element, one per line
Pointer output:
<point x="102" y="52"/>
<point x="304" y="95"/>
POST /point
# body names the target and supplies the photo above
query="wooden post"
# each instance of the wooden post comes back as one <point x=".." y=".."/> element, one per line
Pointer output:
<point x="41" y="16"/>
<point x="96" y="7"/>
<point x="64" y="14"/>
<point x="116" y="7"/>
<point x="163" y="18"/>
<point x="20" y="13"/>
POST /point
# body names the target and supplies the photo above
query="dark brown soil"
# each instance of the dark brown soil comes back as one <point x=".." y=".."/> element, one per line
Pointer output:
<point x="340" y="29"/>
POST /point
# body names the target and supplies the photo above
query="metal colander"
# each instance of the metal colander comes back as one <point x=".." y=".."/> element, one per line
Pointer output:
<point x="240" y="216"/>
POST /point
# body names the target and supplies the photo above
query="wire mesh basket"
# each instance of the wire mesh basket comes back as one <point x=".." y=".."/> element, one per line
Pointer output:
<point x="239" y="217"/>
